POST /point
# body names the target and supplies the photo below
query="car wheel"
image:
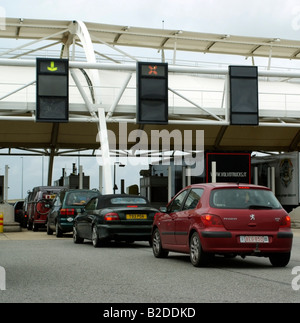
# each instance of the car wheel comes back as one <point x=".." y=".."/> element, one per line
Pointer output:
<point x="95" y="238"/>
<point x="76" y="237"/>
<point x="58" y="232"/>
<point x="280" y="259"/>
<point x="158" y="251"/>
<point x="197" y="255"/>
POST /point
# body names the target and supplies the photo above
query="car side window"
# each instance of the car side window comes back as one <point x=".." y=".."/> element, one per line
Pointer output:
<point x="91" y="205"/>
<point x="193" y="198"/>
<point x="176" y="204"/>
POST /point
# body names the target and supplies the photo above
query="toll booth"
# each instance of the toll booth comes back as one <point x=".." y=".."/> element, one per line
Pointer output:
<point x="279" y="172"/>
<point x="161" y="182"/>
<point x="72" y="181"/>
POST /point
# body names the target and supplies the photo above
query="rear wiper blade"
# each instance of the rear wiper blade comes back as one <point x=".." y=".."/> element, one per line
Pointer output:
<point x="260" y="207"/>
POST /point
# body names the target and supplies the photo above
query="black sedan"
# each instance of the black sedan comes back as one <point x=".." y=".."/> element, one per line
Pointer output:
<point x="116" y="217"/>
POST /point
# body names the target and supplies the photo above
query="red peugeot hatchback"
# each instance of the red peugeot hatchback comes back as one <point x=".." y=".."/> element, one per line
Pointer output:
<point x="204" y="220"/>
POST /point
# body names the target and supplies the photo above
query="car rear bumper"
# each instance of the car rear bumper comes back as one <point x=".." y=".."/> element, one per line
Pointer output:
<point x="66" y="227"/>
<point x="65" y="223"/>
<point x="120" y="232"/>
<point x="230" y="242"/>
<point x="39" y="222"/>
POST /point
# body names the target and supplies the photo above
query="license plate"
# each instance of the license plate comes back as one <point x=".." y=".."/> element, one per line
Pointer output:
<point x="254" y="239"/>
<point x="136" y="216"/>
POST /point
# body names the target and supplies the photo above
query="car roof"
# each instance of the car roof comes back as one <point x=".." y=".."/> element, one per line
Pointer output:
<point x="229" y="185"/>
<point x="68" y="190"/>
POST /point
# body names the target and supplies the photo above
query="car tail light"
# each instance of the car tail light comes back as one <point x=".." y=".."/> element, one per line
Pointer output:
<point x="210" y="220"/>
<point x="112" y="216"/>
<point x="285" y="222"/>
<point x="132" y="206"/>
<point x="67" y="211"/>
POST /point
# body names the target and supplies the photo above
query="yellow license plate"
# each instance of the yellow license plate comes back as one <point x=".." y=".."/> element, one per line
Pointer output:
<point x="136" y="216"/>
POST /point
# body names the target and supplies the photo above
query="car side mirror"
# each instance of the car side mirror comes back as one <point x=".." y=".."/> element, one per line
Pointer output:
<point x="163" y="209"/>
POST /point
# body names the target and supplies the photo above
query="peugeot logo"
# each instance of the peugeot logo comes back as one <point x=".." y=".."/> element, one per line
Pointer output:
<point x="252" y="217"/>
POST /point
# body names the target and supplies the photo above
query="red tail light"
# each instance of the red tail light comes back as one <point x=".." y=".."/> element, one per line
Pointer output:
<point x="112" y="216"/>
<point x="210" y="220"/>
<point x="285" y="222"/>
<point x="67" y="211"/>
<point x="132" y="206"/>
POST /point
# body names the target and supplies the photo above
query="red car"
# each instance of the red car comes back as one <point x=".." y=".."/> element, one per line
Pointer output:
<point x="204" y="220"/>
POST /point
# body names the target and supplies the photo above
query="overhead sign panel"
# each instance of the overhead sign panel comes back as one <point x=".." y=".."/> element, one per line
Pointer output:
<point x="52" y="102"/>
<point x="243" y="95"/>
<point x="152" y="93"/>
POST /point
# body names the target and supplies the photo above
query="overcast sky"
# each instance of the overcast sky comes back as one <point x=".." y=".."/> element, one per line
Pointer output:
<point x="262" y="18"/>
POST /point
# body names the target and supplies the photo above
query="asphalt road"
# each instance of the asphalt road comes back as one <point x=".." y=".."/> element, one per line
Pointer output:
<point x="47" y="269"/>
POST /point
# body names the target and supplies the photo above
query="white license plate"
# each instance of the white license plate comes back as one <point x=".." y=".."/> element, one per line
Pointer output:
<point x="254" y="239"/>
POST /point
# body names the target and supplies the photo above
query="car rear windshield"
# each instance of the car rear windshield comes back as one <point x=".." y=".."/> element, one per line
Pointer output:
<point x="243" y="199"/>
<point x="128" y="200"/>
<point x="79" y="198"/>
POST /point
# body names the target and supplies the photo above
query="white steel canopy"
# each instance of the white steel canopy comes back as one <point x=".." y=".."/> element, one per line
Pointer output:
<point x="197" y="95"/>
<point x="159" y="39"/>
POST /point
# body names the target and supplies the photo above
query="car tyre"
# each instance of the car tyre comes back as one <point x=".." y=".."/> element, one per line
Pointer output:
<point x="157" y="248"/>
<point x="76" y="238"/>
<point x="95" y="237"/>
<point x="198" y="257"/>
<point x="58" y="232"/>
<point x="280" y="259"/>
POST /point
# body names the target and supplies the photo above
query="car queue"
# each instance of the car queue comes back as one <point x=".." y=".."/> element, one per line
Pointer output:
<point x="202" y="220"/>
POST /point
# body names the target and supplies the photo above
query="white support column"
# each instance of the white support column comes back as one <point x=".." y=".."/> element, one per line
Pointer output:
<point x="80" y="178"/>
<point x="79" y="28"/>
<point x="107" y="164"/>
<point x="5" y="197"/>
<point x="188" y="176"/>
<point x="101" y="179"/>
<point x="214" y="172"/>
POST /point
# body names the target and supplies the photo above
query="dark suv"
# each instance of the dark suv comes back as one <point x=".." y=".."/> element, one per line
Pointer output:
<point x="67" y="204"/>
